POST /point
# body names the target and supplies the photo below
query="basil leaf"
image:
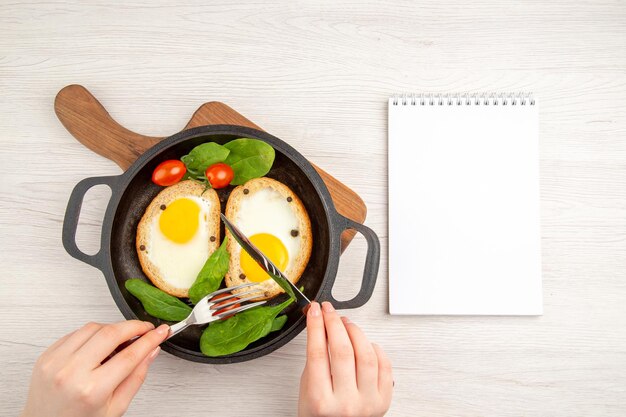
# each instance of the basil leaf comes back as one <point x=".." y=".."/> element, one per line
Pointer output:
<point x="156" y="302"/>
<point x="249" y="158"/>
<point x="235" y="333"/>
<point x="210" y="276"/>
<point x="278" y="323"/>
<point x="203" y="156"/>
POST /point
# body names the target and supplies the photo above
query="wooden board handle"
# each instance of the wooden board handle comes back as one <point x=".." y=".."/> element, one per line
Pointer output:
<point x="89" y="122"/>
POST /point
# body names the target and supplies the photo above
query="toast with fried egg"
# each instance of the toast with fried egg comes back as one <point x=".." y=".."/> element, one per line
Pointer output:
<point x="179" y="230"/>
<point x="273" y="217"/>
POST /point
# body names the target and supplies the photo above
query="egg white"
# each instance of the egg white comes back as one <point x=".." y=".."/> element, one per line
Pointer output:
<point x="267" y="211"/>
<point x="179" y="263"/>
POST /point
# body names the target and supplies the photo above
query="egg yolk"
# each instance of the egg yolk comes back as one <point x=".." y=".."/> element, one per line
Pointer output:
<point x="179" y="221"/>
<point x="271" y="247"/>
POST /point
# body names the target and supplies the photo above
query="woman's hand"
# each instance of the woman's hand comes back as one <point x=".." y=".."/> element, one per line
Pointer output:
<point x="69" y="378"/>
<point x="355" y="379"/>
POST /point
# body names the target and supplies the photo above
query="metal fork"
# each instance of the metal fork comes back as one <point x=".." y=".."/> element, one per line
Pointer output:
<point x="208" y="310"/>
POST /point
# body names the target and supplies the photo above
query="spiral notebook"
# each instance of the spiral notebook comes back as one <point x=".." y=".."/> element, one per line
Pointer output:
<point x="464" y="215"/>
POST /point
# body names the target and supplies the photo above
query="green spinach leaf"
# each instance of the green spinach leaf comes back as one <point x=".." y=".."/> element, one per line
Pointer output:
<point x="278" y="323"/>
<point x="203" y="156"/>
<point x="235" y="333"/>
<point x="210" y="276"/>
<point x="156" y="302"/>
<point x="249" y="158"/>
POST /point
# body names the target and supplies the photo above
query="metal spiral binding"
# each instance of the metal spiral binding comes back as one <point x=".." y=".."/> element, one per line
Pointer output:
<point x="464" y="99"/>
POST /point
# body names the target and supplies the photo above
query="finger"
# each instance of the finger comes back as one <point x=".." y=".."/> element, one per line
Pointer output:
<point x="50" y="358"/>
<point x="126" y="391"/>
<point x="118" y="368"/>
<point x="342" y="365"/>
<point x="317" y="369"/>
<point x="76" y="339"/>
<point x="385" y="374"/>
<point x="366" y="359"/>
<point x="108" y="338"/>
<point x="59" y="342"/>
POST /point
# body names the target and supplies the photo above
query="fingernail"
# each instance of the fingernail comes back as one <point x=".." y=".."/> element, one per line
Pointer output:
<point x="149" y="325"/>
<point x="163" y="330"/>
<point x="327" y="307"/>
<point x="154" y="354"/>
<point x="346" y="320"/>
<point x="314" y="310"/>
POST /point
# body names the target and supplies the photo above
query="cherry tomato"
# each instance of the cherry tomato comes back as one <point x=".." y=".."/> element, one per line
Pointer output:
<point x="169" y="172"/>
<point x="219" y="175"/>
<point x="230" y="300"/>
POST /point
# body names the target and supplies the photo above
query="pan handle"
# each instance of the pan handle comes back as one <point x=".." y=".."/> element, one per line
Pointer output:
<point x="370" y="270"/>
<point x="72" y="214"/>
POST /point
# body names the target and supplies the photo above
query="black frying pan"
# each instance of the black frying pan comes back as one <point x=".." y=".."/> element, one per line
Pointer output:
<point x="132" y="192"/>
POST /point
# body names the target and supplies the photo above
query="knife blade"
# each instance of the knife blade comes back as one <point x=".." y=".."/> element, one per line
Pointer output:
<point x="267" y="265"/>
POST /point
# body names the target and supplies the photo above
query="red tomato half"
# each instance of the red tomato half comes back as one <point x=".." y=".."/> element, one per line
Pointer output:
<point x="219" y="175"/>
<point x="169" y="172"/>
<point x="230" y="300"/>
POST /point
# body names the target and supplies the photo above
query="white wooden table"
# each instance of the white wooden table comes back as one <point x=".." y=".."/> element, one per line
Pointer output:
<point x="318" y="74"/>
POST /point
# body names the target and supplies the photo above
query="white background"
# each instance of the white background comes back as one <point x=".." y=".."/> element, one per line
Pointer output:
<point x="318" y="75"/>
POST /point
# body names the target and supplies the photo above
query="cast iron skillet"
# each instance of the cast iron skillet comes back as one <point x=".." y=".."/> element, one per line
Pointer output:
<point x="132" y="192"/>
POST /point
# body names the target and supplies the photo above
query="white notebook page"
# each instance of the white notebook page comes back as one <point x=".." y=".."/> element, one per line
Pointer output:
<point x="464" y="209"/>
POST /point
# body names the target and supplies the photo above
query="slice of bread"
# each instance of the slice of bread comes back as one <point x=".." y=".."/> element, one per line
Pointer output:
<point x="146" y="232"/>
<point x="235" y="276"/>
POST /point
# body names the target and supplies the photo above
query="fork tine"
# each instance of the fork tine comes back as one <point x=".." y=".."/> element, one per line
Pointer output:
<point x="238" y="310"/>
<point x="223" y="290"/>
<point x="247" y="284"/>
<point x="230" y="296"/>
<point x="221" y="306"/>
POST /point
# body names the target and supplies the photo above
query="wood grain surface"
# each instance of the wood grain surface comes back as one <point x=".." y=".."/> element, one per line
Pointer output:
<point x="89" y="122"/>
<point x="318" y="74"/>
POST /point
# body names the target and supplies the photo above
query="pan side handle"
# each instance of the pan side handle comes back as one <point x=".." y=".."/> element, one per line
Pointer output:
<point x="370" y="269"/>
<point x="72" y="214"/>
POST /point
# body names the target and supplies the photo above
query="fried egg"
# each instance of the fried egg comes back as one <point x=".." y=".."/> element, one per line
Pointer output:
<point x="177" y="233"/>
<point x="275" y="221"/>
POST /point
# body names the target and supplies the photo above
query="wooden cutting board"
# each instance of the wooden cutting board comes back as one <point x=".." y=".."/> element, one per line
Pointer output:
<point x="89" y="122"/>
